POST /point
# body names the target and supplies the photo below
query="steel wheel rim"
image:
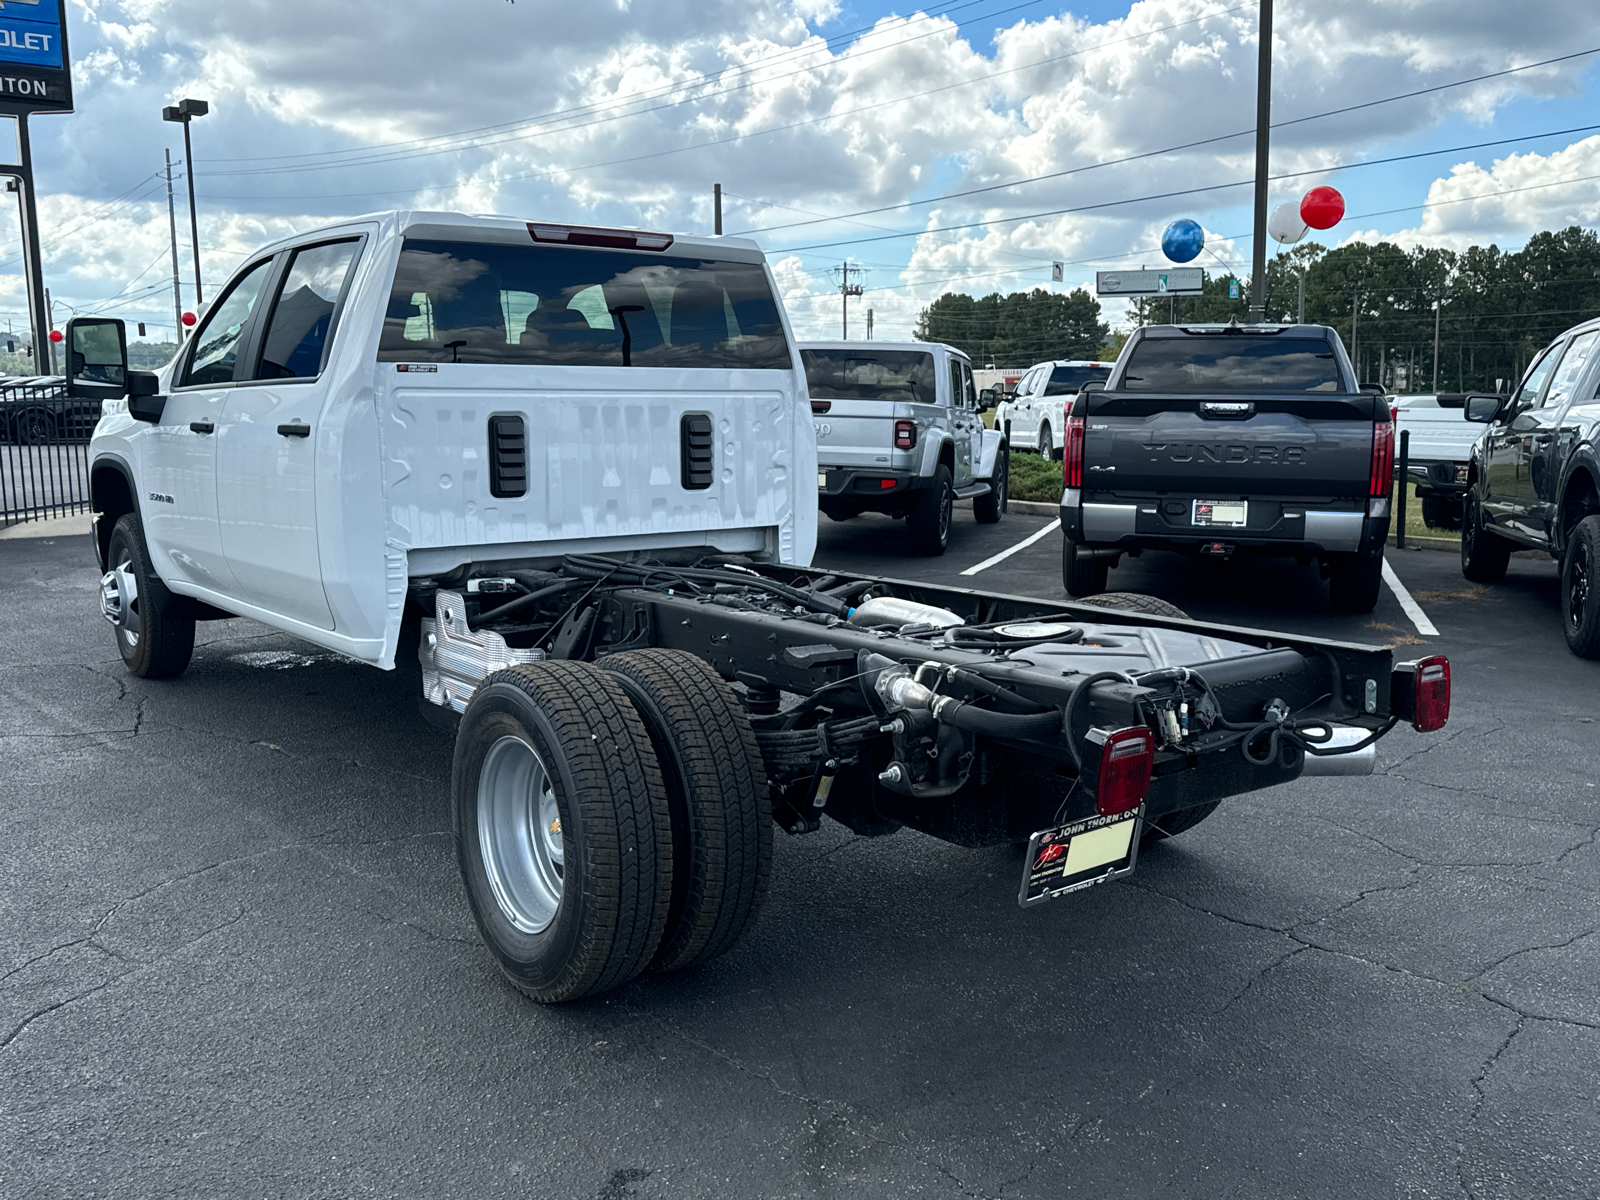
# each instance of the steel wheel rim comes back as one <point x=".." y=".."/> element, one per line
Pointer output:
<point x="519" y="834"/>
<point x="1578" y="591"/>
<point x="119" y="602"/>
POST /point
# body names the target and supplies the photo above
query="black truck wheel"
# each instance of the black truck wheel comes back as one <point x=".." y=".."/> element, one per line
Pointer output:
<point x="1045" y="447"/>
<point x="154" y="643"/>
<point x="1580" y="589"/>
<point x="1138" y="602"/>
<point x="1082" y="573"/>
<point x="1484" y="555"/>
<point x="986" y="510"/>
<point x="717" y="792"/>
<point x="931" y="509"/>
<point x="1354" y="581"/>
<point x="1441" y="512"/>
<point x="562" y="829"/>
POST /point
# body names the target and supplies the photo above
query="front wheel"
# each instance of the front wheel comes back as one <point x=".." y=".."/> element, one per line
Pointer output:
<point x="1484" y="556"/>
<point x="154" y="643"/>
<point x="1083" y="573"/>
<point x="987" y="509"/>
<point x="1354" y="581"/>
<point x="562" y="829"/>
<point x="1580" y="589"/>
<point x="1046" y="448"/>
<point x="930" y="514"/>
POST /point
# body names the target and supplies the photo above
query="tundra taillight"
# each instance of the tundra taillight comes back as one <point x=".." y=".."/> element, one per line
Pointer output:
<point x="905" y="435"/>
<point x="1421" y="691"/>
<point x="1125" y="762"/>
<point x="1072" y="449"/>
<point x="1382" y="480"/>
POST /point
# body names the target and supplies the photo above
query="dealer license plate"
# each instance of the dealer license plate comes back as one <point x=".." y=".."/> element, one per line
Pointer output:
<point x="1231" y="513"/>
<point x="1080" y="855"/>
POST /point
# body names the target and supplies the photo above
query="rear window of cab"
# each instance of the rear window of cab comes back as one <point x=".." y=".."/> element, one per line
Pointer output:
<point x="1226" y="363"/>
<point x="480" y="302"/>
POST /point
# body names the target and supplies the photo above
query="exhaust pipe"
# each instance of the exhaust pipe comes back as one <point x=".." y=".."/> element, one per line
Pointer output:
<point x="1356" y="762"/>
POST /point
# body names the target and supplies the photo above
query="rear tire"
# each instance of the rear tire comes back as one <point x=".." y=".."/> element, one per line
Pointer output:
<point x="931" y="510"/>
<point x="1354" y="581"/>
<point x="717" y="792"/>
<point x="986" y="510"/>
<point x="1138" y="602"/>
<point x="153" y="642"/>
<point x="1082" y="574"/>
<point x="573" y="903"/>
<point x="1580" y="589"/>
<point x="1441" y="512"/>
<point x="1484" y="555"/>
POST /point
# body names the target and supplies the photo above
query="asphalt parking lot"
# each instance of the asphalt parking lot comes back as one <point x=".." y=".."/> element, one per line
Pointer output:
<point x="235" y="959"/>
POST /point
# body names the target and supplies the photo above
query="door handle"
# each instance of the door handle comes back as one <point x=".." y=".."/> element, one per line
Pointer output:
<point x="201" y="427"/>
<point x="295" y="429"/>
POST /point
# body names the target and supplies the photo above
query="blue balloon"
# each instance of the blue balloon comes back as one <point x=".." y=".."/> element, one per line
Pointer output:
<point x="1183" y="240"/>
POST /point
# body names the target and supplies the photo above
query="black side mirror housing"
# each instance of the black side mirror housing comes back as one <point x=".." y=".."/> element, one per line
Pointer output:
<point x="145" y="403"/>
<point x="1374" y="389"/>
<point x="1094" y="385"/>
<point x="1482" y="408"/>
<point x="97" y="358"/>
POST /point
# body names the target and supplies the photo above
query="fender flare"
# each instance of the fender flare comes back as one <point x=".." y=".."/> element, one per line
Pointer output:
<point x="102" y="504"/>
<point x="1582" y="461"/>
<point x="933" y="442"/>
<point x="989" y="454"/>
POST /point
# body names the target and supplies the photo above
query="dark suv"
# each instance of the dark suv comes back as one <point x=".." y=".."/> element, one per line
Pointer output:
<point x="1534" y="479"/>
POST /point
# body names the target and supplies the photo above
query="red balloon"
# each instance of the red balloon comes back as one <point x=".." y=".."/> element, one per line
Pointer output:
<point x="1322" y="208"/>
<point x="56" y="335"/>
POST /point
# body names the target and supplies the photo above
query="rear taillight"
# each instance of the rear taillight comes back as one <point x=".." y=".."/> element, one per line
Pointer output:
<point x="1382" y="480"/>
<point x="1072" y="451"/>
<point x="905" y="435"/>
<point x="1125" y="762"/>
<point x="1428" y="681"/>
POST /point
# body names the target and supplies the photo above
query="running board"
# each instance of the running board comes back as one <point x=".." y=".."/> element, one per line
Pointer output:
<point x="977" y="489"/>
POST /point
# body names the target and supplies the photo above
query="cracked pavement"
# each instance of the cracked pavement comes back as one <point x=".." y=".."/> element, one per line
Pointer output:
<point x="235" y="959"/>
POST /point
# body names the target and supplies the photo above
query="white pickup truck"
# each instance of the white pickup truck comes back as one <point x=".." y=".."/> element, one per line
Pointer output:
<point x="1438" y="440"/>
<point x="1035" y="417"/>
<point x="568" y="472"/>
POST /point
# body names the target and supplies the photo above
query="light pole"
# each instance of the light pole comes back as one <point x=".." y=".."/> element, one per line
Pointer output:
<point x="183" y="112"/>
<point x="1258" y="251"/>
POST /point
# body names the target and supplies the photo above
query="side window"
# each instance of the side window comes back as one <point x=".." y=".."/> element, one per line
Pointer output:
<point x="968" y="393"/>
<point x="1572" y="364"/>
<point x="216" y="342"/>
<point x="1528" y="394"/>
<point x="302" y="316"/>
<point x="957" y="400"/>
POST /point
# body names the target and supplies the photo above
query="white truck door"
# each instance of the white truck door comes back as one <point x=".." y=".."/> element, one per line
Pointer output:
<point x="267" y="442"/>
<point x="178" y="457"/>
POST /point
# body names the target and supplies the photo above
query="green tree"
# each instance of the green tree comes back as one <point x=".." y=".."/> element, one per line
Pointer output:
<point x="1019" y="329"/>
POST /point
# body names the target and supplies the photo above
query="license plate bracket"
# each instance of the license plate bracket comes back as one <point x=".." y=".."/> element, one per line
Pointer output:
<point x="1229" y="514"/>
<point x="1079" y="855"/>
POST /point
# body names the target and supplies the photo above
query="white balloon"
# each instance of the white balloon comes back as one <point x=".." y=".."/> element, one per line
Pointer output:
<point x="1285" y="224"/>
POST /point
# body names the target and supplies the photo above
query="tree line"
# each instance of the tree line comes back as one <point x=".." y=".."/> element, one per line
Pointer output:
<point x="1016" y="330"/>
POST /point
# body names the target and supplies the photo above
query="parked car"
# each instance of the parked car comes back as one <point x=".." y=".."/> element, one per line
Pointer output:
<point x="35" y="410"/>
<point x="1440" y="448"/>
<point x="1534" y="479"/>
<point x="900" y="431"/>
<point x="1036" y="414"/>
<point x="1229" y="440"/>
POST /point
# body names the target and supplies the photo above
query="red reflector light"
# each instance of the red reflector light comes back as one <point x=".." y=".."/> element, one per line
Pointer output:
<point x="590" y="235"/>
<point x="1125" y="762"/>
<point x="905" y="435"/>
<point x="1072" y="454"/>
<point x="1430" y="705"/>
<point x="885" y="484"/>
<point x="1382" y="456"/>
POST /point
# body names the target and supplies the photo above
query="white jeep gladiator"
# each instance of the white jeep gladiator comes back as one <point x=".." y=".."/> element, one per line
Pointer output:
<point x="900" y="430"/>
<point x="568" y="473"/>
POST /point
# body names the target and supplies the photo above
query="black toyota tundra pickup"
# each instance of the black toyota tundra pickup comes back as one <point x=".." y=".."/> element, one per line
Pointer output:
<point x="1226" y="441"/>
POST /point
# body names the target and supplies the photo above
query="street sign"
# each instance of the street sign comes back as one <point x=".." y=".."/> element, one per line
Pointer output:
<point x="1233" y="289"/>
<point x="1057" y="270"/>
<point x="35" y="71"/>
<point x="1175" y="281"/>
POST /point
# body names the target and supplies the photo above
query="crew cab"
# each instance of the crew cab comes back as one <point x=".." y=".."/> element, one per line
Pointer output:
<point x="900" y="430"/>
<point x="1229" y="440"/>
<point x="1534" y="479"/>
<point x="1035" y="417"/>
<point x="563" y="476"/>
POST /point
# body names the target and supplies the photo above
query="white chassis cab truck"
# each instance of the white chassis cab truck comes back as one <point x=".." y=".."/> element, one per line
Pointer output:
<point x="568" y="473"/>
<point x="900" y="431"/>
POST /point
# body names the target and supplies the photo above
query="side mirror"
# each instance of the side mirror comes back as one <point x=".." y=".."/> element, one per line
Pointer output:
<point x="1374" y="389"/>
<point x="145" y="403"/>
<point x="1094" y="385"/>
<point x="97" y="358"/>
<point x="987" y="399"/>
<point x="1482" y="408"/>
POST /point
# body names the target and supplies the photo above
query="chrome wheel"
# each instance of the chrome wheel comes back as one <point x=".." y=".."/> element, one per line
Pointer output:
<point x="119" y="601"/>
<point x="519" y="834"/>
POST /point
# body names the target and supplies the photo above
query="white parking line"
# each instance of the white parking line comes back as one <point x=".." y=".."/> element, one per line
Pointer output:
<point x="1005" y="554"/>
<point x="1412" y="608"/>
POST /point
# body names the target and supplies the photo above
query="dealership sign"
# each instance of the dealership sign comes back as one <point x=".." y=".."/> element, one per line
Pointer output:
<point x="1174" y="281"/>
<point x="35" y="74"/>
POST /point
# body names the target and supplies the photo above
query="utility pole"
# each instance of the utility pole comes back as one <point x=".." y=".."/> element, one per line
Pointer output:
<point x="49" y="325"/>
<point x="869" y="324"/>
<point x="1437" y="305"/>
<point x="716" y="206"/>
<point x="1355" y="340"/>
<point x="1302" y="317"/>
<point x="846" y="290"/>
<point x="172" y="224"/>
<point x="1258" y="252"/>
